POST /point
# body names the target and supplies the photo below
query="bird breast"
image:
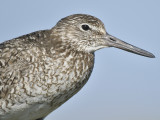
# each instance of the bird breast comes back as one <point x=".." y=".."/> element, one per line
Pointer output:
<point x="67" y="72"/>
<point x="43" y="77"/>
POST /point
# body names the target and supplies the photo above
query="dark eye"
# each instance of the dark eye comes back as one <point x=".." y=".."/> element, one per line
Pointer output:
<point x="85" y="27"/>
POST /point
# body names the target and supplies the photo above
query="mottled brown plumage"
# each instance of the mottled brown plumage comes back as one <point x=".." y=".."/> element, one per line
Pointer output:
<point x="41" y="70"/>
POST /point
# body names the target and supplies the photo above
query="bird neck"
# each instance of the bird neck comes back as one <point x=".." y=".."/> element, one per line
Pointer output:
<point x="75" y="68"/>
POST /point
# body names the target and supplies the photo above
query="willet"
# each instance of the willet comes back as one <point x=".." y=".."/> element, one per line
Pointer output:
<point x="42" y="70"/>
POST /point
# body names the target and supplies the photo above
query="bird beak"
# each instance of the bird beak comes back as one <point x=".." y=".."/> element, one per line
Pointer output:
<point x="112" y="41"/>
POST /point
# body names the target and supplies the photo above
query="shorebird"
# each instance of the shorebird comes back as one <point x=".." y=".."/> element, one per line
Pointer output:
<point x="42" y="70"/>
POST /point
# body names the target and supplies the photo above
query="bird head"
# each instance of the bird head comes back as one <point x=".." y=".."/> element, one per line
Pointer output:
<point x="87" y="33"/>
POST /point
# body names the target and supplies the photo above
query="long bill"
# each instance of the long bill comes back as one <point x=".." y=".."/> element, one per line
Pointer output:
<point x="112" y="41"/>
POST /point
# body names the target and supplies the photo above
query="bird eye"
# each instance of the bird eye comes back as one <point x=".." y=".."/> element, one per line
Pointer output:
<point x="85" y="27"/>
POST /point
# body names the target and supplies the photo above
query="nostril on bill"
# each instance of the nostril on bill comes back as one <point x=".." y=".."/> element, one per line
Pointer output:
<point x="113" y="39"/>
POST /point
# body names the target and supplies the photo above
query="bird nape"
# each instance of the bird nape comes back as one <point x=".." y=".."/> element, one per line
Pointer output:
<point x="42" y="70"/>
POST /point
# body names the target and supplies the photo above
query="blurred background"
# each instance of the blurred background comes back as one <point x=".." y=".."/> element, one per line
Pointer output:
<point x="123" y="86"/>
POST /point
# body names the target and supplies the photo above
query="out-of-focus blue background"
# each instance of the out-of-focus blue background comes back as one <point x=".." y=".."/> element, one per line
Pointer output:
<point x="123" y="86"/>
